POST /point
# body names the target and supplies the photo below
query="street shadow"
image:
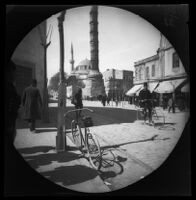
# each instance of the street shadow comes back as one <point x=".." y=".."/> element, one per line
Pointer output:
<point x="111" y="165"/>
<point x="153" y="138"/>
<point x="104" y="116"/>
<point x="41" y="130"/>
<point x="37" y="149"/>
<point x="70" y="175"/>
<point x="165" y="126"/>
<point x="47" y="158"/>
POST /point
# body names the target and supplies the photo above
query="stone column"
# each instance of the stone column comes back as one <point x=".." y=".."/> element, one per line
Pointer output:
<point x="94" y="38"/>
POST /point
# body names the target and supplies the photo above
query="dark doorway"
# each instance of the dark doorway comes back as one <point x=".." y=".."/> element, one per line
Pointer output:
<point x="24" y="76"/>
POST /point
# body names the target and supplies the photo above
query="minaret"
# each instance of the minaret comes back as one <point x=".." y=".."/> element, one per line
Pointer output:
<point x="72" y="58"/>
<point x="94" y="49"/>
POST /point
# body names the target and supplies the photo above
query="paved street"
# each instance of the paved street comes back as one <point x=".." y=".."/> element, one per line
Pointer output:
<point x="132" y="150"/>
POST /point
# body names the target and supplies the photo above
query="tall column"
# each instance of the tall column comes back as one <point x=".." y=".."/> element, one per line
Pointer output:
<point x="94" y="38"/>
<point x="61" y="137"/>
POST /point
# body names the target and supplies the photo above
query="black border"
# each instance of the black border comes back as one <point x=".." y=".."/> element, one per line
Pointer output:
<point x="172" y="178"/>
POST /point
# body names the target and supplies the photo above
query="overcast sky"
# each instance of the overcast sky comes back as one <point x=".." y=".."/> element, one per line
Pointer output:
<point x="124" y="38"/>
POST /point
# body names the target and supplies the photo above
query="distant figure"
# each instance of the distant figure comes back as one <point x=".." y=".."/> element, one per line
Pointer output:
<point x="108" y="100"/>
<point x="12" y="100"/>
<point x="78" y="102"/>
<point x="32" y="103"/>
<point x="116" y="100"/>
<point x="145" y="102"/>
<point x="171" y="104"/>
<point x="164" y="102"/>
<point x="103" y="100"/>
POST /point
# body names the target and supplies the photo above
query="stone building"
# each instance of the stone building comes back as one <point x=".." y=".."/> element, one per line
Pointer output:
<point x="29" y="59"/>
<point x="163" y="71"/>
<point x="117" y="82"/>
<point x="87" y="71"/>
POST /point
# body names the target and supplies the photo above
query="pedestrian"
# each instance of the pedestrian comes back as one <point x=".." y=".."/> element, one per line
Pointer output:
<point x="32" y="104"/>
<point x="103" y="100"/>
<point x="13" y="101"/>
<point x="171" y="104"/>
<point x="78" y="102"/>
<point x="146" y="103"/>
<point x="108" y="100"/>
<point x="116" y="100"/>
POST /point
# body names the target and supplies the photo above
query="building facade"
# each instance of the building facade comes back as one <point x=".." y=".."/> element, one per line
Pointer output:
<point x="159" y="68"/>
<point x="29" y="59"/>
<point x="117" y="82"/>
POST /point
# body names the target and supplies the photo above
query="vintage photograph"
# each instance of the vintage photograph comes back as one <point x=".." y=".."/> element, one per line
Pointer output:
<point x="97" y="98"/>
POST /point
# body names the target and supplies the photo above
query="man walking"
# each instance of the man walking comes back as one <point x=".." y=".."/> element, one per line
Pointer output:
<point x="32" y="104"/>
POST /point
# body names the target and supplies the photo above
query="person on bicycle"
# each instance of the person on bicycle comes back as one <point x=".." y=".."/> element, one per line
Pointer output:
<point x="145" y="102"/>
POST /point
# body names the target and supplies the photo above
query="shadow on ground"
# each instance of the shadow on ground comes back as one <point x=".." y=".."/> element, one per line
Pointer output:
<point x="100" y="116"/>
<point x="45" y="158"/>
<point x="153" y="138"/>
<point x="37" y="149"/>
<point x="66" y="175"/>
<point x="70" y="175"/>
<point x="111" y="164"/>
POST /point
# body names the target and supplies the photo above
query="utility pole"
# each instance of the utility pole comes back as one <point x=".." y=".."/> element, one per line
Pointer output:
<point x="61" y="143"/>
<point x="45" y="111"/>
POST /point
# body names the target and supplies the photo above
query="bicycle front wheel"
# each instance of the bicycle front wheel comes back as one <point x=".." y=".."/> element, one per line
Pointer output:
<point x="94" y="151"/>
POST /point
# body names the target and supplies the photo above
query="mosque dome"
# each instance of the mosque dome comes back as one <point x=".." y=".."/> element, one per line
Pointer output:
<point x="85" y="62"/>
<point x="82" y="69"/>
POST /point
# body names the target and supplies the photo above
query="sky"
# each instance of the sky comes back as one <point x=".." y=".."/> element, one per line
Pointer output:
<point x="124" y="38"/>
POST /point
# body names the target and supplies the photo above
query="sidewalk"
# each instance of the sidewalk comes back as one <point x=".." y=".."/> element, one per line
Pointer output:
<point x="67" y="169"/>
<point x="117" y="130"/>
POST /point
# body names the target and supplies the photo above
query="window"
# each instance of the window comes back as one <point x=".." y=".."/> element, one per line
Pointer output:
<point x="175" y="60"/>
<point x="153" y="70"/>
<point x="147" y="72"/>
<point x="140" y="75"/>
<point x="136" y="74"/>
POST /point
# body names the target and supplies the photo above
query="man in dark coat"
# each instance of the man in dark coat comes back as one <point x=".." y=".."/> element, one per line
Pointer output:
<point x="103" y="100"/>
<point x="32" y="103"/>
<point x="145" y="102"/>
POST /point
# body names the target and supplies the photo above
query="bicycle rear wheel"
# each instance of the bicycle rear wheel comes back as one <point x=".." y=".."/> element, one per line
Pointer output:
<point x="76" y="134"/>
<point x="94" y="151"/>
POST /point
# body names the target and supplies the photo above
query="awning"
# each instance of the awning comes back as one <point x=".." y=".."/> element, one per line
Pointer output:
<point x="151" y="87"/>
<point x="169" y="86"/>
<point x="133" y="90"/>
<point x="185" y="88"/>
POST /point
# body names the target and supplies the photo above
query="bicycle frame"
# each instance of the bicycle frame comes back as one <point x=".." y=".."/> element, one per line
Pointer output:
<point x="83" y="140"/>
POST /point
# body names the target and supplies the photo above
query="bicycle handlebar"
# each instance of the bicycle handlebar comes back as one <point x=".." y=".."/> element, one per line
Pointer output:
<point x="77" y="110"/>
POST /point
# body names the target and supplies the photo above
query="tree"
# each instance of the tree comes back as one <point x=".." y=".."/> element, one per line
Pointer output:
<point x="54" y="82"/>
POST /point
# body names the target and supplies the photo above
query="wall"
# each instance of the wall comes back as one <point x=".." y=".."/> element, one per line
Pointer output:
<point x="169" y="70"/>
<point x="143" y="67"/>
<point x="30" y="53"/>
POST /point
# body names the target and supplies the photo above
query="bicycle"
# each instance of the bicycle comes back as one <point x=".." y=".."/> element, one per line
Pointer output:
<point x="86" y="141"/>
<point x="154" y="114"/>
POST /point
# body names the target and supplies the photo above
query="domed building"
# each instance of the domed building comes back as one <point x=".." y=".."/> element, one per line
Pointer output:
<point x="88" y="79"/>
<point x="87" y="71"/>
